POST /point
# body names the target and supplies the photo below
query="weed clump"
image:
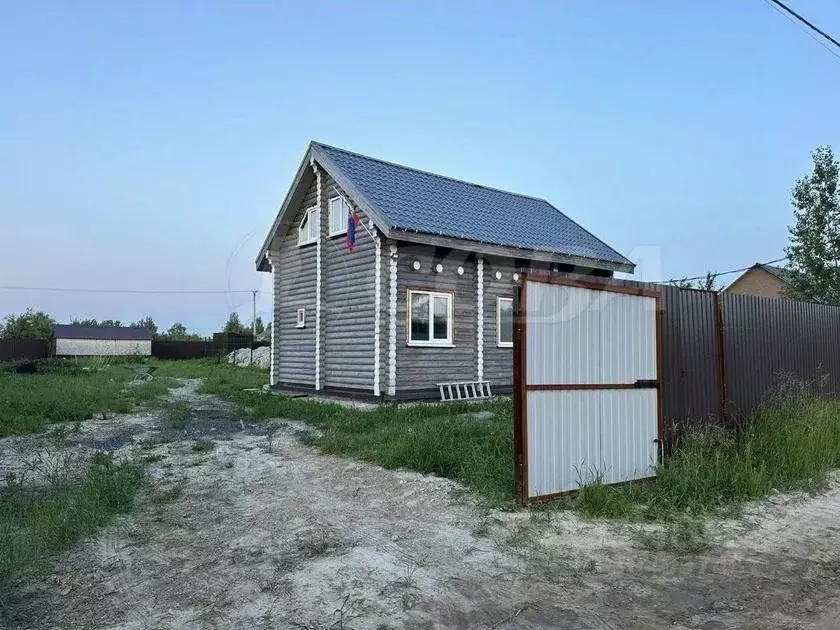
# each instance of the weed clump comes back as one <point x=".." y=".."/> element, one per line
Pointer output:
<point x="39" y="520"/>
<point x="178" y="415"/>
<point x="790" y="443"/>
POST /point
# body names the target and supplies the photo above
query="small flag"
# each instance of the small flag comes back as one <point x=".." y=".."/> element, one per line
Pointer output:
<point x="352" y="222"/>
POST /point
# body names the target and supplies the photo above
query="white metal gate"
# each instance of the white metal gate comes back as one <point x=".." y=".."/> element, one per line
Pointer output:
<point x="587" y="395"/>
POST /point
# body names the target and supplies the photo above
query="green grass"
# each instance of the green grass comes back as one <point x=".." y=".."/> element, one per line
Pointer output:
<point x="170" y="495"/>
<point x="38" y="522"/>
<point x="67" y="391"/>
<point x="28" y="402"/>
<point x="792" y="443"/>
<point x="178" y="414"/>
<point x="150" y="393"/>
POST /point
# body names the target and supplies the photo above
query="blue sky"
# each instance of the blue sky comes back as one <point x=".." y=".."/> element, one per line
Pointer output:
<point x="148" y="145"/>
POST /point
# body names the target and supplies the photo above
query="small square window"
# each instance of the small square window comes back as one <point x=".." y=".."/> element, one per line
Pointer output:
<point x="309" y="228"/>
<point x="301" y="318"/>
<point x="504" y="322"/>
<point x="339" y="215"/>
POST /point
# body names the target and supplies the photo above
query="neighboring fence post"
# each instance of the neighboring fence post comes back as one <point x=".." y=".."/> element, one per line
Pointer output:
<point x="719" y="324"/>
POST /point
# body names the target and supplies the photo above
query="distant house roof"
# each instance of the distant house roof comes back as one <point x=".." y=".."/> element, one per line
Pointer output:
<point x="403" y="200"/>
<point x="122" y="333"/>
<point x="780" y="272"/>
<point x="781" y="277"/>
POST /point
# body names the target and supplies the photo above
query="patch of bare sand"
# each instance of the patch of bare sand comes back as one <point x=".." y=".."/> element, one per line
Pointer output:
<point x="287" y="537"/>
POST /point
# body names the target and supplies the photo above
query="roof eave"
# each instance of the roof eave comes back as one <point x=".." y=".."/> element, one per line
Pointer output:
<point x="506" y="251"/>
<point x="261" y="260"/>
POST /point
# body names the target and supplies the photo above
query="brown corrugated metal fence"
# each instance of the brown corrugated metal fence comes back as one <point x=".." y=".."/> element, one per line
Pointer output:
<point x="769" y="342"/>
<point x="22" y="349"/>
<point x="725" y="353"/>
<point x="692" y="382"/>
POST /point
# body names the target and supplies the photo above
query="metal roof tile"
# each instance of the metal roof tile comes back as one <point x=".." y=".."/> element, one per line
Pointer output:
<point x="127" y="333"/>
<point x="419" y="201"/>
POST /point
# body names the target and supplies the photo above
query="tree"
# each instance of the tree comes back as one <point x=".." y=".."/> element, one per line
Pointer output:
<point x="178" y="332"/>
<point x="105" y="323"/>
<point x="148" y="323"/>
<point x="28" y="325"/>
<point x="814" y="250"/>
<point x="709" y="283"/>
<point x="234" y="324"/>
<point x="84" y="322"/>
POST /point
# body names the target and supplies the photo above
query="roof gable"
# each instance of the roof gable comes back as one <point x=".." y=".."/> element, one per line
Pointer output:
<point x="400" y="199"/>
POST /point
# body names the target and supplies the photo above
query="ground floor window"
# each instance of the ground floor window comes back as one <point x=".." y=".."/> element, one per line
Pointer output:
<point x="429" y="318"/>
<point x="504" y="322"/>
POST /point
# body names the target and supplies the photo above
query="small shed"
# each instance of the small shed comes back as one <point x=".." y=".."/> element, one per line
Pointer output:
<point x="103" y="341"/>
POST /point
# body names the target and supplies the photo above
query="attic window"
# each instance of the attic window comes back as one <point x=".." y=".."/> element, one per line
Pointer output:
<point x="339" y="213"/>
<point x="308" y="228"/>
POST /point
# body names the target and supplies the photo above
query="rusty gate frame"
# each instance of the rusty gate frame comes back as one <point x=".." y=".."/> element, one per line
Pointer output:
<point x="520" y="388"/>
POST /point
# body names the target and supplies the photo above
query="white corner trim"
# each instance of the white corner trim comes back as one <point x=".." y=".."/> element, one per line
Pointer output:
<point x="479" y="324"/>
<point x="392" y="320"/>
<point x="377" y="298"/>
<point x="317" y="171"/>
<point x="272" y="378"/>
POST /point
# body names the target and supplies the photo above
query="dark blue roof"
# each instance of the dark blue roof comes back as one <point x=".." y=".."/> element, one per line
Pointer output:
<point x="418" y="201"/>
<point x="124" y="333"/>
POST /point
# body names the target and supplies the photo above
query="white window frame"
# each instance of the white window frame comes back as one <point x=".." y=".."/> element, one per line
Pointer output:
<point x="499" y="342"/>
<point x="450" y="319"/>
<point x="310" y="217"/>
<point x="345" y="215"/>
<point x="301" y="318"/>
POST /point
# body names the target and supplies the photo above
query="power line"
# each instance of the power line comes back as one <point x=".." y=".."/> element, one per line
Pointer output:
<point x="721" y="273"/>
<point x="136" y="291"/>
<point x="780" y="6"/>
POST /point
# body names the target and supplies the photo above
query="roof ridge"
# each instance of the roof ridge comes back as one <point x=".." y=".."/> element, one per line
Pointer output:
<point x="441" y="176"/>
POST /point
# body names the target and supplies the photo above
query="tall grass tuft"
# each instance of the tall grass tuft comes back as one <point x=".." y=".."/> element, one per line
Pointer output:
<point x="36" y="521"/>
<point x="790" y="443"/>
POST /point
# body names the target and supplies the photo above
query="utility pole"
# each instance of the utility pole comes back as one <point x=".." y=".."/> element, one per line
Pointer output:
<point x="253" y="323"/>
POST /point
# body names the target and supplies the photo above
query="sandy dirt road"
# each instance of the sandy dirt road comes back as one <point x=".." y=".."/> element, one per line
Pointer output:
<point x="260" y="533"/>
